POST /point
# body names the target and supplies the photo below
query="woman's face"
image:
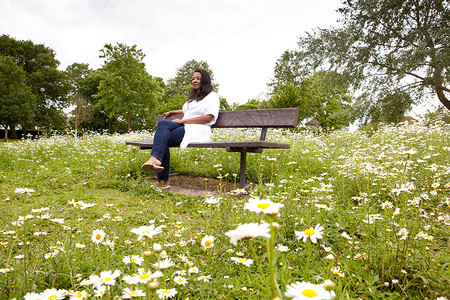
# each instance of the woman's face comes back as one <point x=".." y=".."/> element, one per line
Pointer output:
<point x="196" y="84"/>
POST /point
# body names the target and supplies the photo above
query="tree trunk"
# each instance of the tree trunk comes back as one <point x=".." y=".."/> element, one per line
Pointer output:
<point x="13" y="131"/>
<point x="6" y="134"/>
<point x="442" y="98"/>
<point x="129" y="122"/>
<point x="76" y="122"/>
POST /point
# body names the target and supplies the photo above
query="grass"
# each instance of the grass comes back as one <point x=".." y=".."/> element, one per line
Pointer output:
<point x="371" y="185"/>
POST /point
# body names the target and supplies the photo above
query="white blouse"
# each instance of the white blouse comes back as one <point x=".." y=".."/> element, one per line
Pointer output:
<point x="200" y="133"/>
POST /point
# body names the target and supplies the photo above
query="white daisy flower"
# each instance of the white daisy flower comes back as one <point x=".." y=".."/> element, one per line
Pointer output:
<point x="166" y="293"/>
<point x="147" y="231"/>
<point x="180" y="280"/>
<point x="136" y="259"/>
<point x="207" y="242"/>
<point x="307" y="291"/>
<point x="127" y="293"/>
<point x="312" y="234"/>
<point x="97" y="236"/>
<point x="265" y="206"/>
<point x="250" y="230"/>
<point x="403" y="233"/>
<point x="244" y="261"/>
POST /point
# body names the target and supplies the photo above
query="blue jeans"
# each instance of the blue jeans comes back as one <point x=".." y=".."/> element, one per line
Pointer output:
<point x="168" y="134"/>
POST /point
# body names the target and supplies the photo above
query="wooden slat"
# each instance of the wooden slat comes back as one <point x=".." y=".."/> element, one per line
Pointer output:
<point x="249" y="145"/>
<point x="276" y="118"/>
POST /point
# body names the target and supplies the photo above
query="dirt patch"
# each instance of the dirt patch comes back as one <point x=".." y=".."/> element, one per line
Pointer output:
<point x="198" y="186"/>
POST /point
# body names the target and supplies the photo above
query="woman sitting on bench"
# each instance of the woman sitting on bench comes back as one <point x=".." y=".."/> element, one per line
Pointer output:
<point x="200" y="112"/>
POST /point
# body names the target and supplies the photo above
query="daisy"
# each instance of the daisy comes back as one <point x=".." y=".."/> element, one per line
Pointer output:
<point x="166" y="293"/>
<point x="53" y="294"/>
<point x="136" y="259"/>
<point x="78" y="295"/>
<point x="204" y="278"/>
<point x="100" y="291"/>
<point x="97" y="236"/>
<point x="145" y="276"/>
<point x="212" y="200"/>
<point x="164" y="264"/>
<point x="180" y="280"/>
<point x="313" y="234"/>
<point x="109" y="277"/>
<point x="265" y="206"/>
<point x="207" y="242"/>
<point x="282" y="248"/>
<point x="250" y="230"/>
<point x="147" y="231"/>
<point x="244" y="261"/>
<point x="403" y="233"/>
<point x="128" y="294"/>
<point x="306" y="290"/>
<point x="337" y="271"/>
<point x="32" y="296"/>
<point x="386" y="205"/>
<point x="23" y="191"/>
<point x="193" y="270"/>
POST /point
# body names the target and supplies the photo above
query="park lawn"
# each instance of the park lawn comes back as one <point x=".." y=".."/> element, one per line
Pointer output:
<point x="367" y="210"/>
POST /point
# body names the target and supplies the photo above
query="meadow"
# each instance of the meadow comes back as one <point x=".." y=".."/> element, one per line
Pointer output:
<point x="362" y="215"/>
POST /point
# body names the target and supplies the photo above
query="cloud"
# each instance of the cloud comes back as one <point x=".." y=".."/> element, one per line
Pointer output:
<point x="240" y="40"/>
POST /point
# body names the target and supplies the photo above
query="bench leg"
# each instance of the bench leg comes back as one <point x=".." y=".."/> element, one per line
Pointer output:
<point x="242" y="169"/>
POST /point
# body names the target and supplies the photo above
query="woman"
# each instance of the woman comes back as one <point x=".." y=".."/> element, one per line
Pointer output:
<point x="200" y="112"/>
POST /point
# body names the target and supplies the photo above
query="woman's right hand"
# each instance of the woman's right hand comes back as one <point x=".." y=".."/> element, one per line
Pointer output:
<point x="167" y="114"/>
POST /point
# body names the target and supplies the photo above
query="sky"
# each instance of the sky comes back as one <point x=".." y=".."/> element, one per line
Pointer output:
<point x="240" y="40"/>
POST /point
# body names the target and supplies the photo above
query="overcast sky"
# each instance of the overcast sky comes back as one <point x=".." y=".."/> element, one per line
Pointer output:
<point x="240" y="40"/>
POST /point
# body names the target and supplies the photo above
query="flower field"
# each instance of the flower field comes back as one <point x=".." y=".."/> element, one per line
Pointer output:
<point x="361" y="215"/>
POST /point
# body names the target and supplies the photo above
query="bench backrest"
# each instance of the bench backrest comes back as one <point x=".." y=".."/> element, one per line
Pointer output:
<point x="262" y="118"/>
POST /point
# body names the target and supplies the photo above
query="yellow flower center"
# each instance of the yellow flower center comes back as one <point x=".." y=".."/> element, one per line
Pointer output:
<point x="263" y="205"/>
<point x="53" y="297"/>
<point x="144" y="276"/>
<point x="403" y="233"/>
<point x="309" y="231"/>
<point x="309" y="293"/>
<point x="133" y="293"/>
<point x="208" y="243"/>
<point x="133" y="259"/>
<point x="79" y="294"/>
<point x="98" y="236"/>
<point x="180" y="280"/>
<point x="145" y="232"/>
<point x="241" y="259"/>
<point x="166" y="292"/>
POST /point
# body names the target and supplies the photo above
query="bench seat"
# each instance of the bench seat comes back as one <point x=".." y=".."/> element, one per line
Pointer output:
<point x="145" y="145"/>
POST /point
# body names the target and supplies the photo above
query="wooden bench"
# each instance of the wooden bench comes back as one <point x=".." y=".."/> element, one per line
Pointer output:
<point x="262" y="118"/>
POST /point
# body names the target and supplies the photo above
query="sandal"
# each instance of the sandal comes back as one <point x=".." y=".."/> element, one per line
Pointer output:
<point x="150" y="167"/>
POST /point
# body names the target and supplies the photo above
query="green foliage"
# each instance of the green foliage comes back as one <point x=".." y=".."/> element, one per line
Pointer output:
<point x="17" y="101"/>
<point x="126" y="90"/>
<point x="47" y="83"/>
<point x="387" y="45"/>
<point x="323" y="95"/>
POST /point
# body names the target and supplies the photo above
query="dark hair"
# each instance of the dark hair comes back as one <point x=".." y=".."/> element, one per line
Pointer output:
<point x="205" y="87"/>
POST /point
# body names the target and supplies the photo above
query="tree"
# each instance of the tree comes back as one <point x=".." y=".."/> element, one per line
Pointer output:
<point x="46" y="81"/>
<point x="182" y="82"/>
<point x="126" y="90"/>
<point x="17" y="101"/>
<point x="76" y="75"/>
<point x="388" y="45"/>
<point x="319" y="94"/>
